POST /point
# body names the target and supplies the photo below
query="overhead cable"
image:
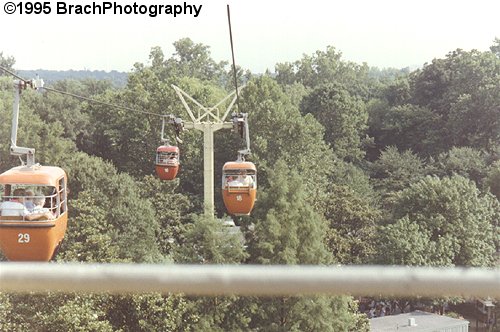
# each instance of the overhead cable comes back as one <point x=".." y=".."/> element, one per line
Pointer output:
<point x="85" y="98"/>
<point x="13" y="74"/>
<point x="101" y="102"/>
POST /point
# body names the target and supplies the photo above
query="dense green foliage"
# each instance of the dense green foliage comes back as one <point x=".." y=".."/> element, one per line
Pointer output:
<point x="441" y="222"/>
<point x="356" y="165"/>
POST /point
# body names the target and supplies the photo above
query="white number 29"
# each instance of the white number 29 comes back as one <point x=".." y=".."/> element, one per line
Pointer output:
<point x="23" y="238"/>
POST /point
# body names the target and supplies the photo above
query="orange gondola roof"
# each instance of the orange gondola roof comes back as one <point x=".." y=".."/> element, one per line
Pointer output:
<point x="239" y="165"/>
<point x="41" y="175"/>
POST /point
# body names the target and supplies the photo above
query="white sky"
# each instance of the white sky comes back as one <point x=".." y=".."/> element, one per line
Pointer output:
<point x="383" y="33"/>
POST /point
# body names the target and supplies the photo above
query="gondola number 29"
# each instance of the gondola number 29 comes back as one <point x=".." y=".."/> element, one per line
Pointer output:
<point x="23" y="238"/>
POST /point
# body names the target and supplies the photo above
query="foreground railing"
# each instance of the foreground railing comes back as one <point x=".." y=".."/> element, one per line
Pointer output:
<point x="259" y="280"/>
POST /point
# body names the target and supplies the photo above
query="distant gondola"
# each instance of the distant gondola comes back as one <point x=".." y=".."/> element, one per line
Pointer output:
<point x="167" y="156"/>
<point x="167" y="162"/>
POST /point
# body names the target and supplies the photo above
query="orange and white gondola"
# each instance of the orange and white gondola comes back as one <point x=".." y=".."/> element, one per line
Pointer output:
<point x="167" y="162"/>
<point x="23" y="238"/>
<point x="167" y="156"/>
<point x="239" y="187"/>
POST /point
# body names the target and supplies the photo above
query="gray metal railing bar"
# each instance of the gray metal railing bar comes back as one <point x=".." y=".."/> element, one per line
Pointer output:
<point x="251" y="280"/>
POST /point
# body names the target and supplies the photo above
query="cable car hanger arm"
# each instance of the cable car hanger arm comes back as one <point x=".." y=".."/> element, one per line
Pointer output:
<point x="178" y="125"/>
<point x="243" y="128"/>
<point x="20" y="85"/>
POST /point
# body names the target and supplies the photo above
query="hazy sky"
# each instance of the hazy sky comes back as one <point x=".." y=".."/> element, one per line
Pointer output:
<point x="383" y="33"/>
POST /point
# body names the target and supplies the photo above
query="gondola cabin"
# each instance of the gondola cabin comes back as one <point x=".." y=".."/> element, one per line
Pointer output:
<point x="239" y="187"/>
<point x="167" y="162"/>
<point x="33" y="212"/>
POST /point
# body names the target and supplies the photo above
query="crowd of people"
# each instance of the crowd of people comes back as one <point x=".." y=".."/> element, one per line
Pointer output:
<point x="24" y="203"/>
<point x="381" y="308"/>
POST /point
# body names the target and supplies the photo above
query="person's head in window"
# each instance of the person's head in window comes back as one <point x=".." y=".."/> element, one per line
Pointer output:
<point x="18" y="194"/>
<point x="39" y="202"/>
<point x="28" y="201"/>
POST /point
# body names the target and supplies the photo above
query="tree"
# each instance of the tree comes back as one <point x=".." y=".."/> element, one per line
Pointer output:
<point x="89" y="238"/>
<point x="189" y="60"/>
<point x="324" y="67"/>
<point x="344" y="117"/>
<point x="406" y="126"/>
<point x="75" y="313"/>
<point x="195" y="61"/>
<point x="495" y="48"/>
<point x="288" y="231"/>
<point x="208" y="241"/>
<point x="6" y="62"/>
<point x="128" y="139"/>
<point x="462" y="90"/>
<point x="450" y="102"/>
<point x="492" y="182"/>
<point x="6" y="313"/>
<point x="172" y="210"/>
<point x="465" y="161"/>
<point x="279" y="131"/>
<point x="71" y="113"/>
<point x="147" y="312"/>
<point x="118" y="211"/>
<point x="55" y="312"/>
<point x="398" y="92"/>
<point x="474" y="117"/>
<point x="493" y="179"/>
<point x="395" y="171"/>
<point x="441" y="222"/>
<point x="352" y="224"/>
<point x="355" y="178"/>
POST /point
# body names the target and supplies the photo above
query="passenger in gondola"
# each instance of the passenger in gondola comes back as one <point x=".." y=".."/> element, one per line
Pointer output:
<point x="15" y="207"/>
<point x="44" y="213"/>
<point x="245" y="179"/>
<point x="28" y="200"/>
<point x="231" y="181"/>
<point x="172" y="159"/>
